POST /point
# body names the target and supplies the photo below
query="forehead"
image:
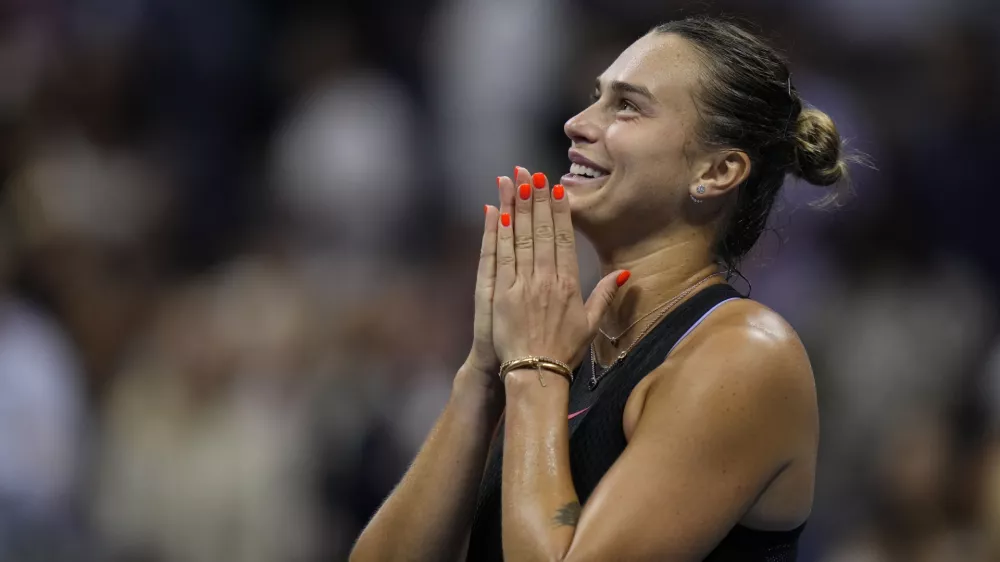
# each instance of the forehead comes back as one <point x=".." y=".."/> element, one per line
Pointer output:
<point x="666" y="64"/>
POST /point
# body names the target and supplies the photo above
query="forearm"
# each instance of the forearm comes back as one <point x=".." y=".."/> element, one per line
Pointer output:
<point x="428" y="514"/>
<point x="540" y="505"/>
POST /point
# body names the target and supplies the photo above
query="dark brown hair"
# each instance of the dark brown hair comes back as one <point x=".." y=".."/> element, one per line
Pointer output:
<point x="747" y="102"/>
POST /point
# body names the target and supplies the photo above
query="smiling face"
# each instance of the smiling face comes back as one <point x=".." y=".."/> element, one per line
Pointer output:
<point x="639" y="138"/>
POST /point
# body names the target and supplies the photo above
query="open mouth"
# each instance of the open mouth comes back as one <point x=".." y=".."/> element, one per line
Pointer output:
<point x="583" y="171"/>
<point x="586" y="172"/>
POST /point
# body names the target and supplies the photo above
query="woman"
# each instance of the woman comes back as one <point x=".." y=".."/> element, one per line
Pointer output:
<point x="693" y="427"/>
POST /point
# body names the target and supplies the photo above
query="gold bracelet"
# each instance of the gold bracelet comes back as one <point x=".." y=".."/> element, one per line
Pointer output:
<point x="537" y="362"/>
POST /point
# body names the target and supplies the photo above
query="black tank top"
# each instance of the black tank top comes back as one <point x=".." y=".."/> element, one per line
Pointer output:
<point x="597" y="438"/>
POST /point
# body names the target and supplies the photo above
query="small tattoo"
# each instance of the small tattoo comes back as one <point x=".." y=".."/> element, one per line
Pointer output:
<point x="568" y="515"/>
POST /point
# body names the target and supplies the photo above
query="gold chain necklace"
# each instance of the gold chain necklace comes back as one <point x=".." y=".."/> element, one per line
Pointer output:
<point x="614" y="339"/>
<point x="596" y="376"/>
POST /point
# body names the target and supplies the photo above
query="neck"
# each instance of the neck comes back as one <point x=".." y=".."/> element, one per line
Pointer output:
<point x="661" y="270"/>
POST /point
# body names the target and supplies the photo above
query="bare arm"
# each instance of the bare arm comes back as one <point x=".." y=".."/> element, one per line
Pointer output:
<point x="428" y="514"/>
<point x="711" y="436"/>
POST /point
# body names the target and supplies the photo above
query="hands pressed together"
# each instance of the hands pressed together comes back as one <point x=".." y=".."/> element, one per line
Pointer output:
<point x="528" y="298"/>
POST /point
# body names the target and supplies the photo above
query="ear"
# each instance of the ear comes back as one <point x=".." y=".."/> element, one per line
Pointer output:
<point x="726" y="170"/>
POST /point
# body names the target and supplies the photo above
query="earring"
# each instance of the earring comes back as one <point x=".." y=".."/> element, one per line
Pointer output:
<point x="701" y="191"/>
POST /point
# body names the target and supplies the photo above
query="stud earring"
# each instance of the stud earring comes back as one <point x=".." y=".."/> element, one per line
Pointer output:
<point x="696" y="200"/>
<point x="701" y="191"/>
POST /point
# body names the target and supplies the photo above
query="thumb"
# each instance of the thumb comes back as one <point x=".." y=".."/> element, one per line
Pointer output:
<point x="602" y="296"/>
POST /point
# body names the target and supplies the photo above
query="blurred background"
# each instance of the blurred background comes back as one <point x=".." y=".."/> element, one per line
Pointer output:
<point x="238" y="244"/>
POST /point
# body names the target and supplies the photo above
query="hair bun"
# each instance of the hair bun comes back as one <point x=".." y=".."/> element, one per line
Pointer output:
<point x="818" y="149"/>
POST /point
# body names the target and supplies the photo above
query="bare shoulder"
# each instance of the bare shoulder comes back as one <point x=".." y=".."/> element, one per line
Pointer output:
<point x="734" y="408"/>
<point x="751" y="334"/>
<point x="743" y="360"/>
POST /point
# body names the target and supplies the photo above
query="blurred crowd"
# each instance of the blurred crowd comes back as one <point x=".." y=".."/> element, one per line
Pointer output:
<point x="238" y="244"/>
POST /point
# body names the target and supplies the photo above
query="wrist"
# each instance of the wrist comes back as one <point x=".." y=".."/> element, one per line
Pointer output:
<point x="530" y="381"/>
<point x="537" y="364"/>
<point x="472" y="384"/>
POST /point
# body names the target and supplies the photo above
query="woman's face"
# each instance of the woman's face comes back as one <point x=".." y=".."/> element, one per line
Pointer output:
<point x="639" y="137"/>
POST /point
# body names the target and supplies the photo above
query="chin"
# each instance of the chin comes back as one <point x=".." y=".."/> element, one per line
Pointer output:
<point x="586" y="218"/>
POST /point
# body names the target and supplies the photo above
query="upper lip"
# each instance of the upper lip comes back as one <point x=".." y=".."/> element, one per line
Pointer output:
<point x="577" y="158"/>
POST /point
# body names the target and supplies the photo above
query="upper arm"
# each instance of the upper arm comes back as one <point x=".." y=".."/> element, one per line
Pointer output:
<point x="714" y="431"/>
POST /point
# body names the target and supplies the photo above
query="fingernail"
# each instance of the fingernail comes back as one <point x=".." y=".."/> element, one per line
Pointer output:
<point x="538" y="179"/>
<point x="498" y="182"/>
<point x="558" y="192"/>
<point x="623" y="277"/>
<point x="505" y="219"/>
<point x="524" y="191"/>
<point x="486" y="209"/>
<point x="515" y="173"/>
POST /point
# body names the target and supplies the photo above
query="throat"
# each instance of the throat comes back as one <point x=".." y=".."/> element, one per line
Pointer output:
<point x="644" y="306"/>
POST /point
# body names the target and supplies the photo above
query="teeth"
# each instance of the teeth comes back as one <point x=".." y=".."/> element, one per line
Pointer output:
<point x="581" y="170"/>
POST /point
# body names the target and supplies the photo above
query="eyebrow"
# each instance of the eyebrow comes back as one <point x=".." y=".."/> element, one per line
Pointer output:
<point x="625" y="88"/>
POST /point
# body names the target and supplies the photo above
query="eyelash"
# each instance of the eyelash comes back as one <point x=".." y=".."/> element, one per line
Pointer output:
<point x="626" y="105"/>
<point x="623" y="104"/>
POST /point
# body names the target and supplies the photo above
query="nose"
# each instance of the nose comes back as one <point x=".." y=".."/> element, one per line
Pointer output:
<point x="581" y="129"/>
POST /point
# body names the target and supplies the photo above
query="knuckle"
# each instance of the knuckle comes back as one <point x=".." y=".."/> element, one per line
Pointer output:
<point x="564" y="239"/>
<point x="505" y="260"/>
<point x="566" y="286"/>
<point x="545" y="284"/>
<point x="523" y="241"/>
<point x="543" y="231"/>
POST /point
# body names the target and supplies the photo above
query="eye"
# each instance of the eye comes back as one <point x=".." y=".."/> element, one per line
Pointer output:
<point x="594" y="96"/>
<point x="626" y="105"/>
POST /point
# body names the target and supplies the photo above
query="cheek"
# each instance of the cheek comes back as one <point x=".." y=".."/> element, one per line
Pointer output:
<point x="646" y="155"/>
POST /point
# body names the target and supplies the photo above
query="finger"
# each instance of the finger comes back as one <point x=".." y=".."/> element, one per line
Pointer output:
<point x="523" y="238"/>
<point x="602" y="296"/>
<point x="520" y="175"/>
<point x="505" y="190"/>
<point x="565" y="239"/>
<point x="544" y="248"/>
<point x="486" y="275"/>
<point x="506" y="269"/>
<point x="485" y="281"/>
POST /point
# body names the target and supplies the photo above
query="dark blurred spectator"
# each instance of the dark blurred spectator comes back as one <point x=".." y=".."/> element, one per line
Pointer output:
<point x="86" y="216"/>
<point x="205" y="454"/>
<point x="913" y="492"/>
<point x="43" y="426"/>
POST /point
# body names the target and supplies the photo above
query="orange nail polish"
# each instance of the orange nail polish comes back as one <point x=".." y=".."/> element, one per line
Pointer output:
<point x="505" y="219"/>
<point x="538" y="179"/>
<point x="515" y="174"/>
<point x="524" y="191"/>
<point x="558" y="192"/>
<point x="498" y="182"/>
<point x="623" y="277"/>
<point x="486" y="209"/>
